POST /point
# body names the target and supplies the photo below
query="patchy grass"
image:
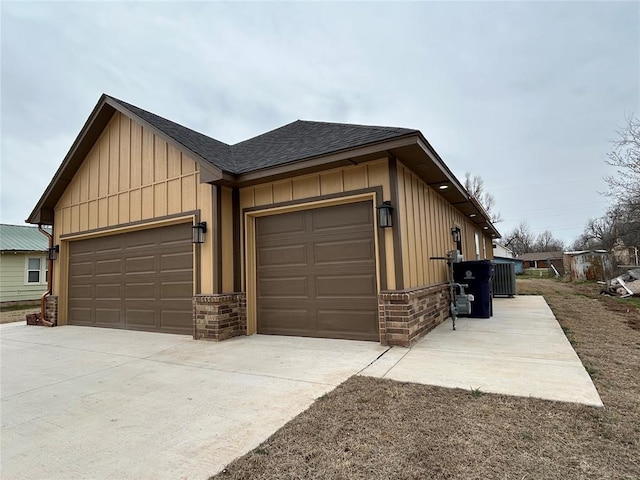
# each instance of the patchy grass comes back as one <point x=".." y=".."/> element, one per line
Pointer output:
<point x="476" y="393"/>
<point x="16" y="313"/>
<point x="370" y="428"/>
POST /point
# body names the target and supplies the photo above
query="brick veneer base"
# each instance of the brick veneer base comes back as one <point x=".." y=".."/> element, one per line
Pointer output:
<point x="218" y="317"/>
<point x="51" y="309"/>
<point x="406" y="315"/>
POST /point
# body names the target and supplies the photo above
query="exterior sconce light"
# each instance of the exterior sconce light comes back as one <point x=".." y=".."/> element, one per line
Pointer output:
<point x="52" y="253"/>
<point x="198" y="231"/>
<point x="456" y="235"/>
<point x="384" y="214"/>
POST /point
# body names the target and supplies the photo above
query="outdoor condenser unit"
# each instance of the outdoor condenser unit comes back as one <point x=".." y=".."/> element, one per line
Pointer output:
<point x="504" y="279"/>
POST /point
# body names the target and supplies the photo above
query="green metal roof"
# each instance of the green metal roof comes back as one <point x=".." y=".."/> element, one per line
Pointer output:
<point x="22" y="238"/>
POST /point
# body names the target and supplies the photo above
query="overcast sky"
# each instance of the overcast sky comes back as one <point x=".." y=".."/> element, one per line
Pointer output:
<point x="527" y="95"/>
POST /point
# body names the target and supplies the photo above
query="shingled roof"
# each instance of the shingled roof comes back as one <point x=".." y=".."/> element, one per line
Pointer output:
<point x="294" y="142"/>
<point x="303" y="139"/>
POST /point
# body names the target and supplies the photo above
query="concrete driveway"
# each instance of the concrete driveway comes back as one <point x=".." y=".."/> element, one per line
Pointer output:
<point x="82" y="402"/>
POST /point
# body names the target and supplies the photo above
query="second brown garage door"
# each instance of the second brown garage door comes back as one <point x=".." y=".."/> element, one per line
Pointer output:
<point x="316" y="273"/>
<point x="139" y="280"/>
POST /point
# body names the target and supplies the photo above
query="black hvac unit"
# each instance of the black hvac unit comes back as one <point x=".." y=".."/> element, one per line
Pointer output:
<point x="504" y="279"/>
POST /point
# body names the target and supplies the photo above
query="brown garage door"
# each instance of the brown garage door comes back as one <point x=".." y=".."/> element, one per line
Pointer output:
<point x="316" y="273"/>
<point x="138" y="281"/>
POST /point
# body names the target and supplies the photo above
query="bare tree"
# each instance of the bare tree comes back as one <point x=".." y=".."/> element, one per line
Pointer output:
<point x="625" y="157"/>
<point x="475" y="187"/>
<point x="622" y="220"/>
<point x="546" y="242"/>
<point x="520" y="240"/>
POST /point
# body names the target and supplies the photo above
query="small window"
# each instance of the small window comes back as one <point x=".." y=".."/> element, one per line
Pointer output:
<point x="36" y="270"/>
<point x="477" y="241"/>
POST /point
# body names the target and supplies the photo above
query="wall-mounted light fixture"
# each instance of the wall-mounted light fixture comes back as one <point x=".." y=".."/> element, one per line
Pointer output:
<point x="384" y="214"/>
<point x="52" y="253"/>
<point x="456" y="234"/>
<point x="198" y="231"/>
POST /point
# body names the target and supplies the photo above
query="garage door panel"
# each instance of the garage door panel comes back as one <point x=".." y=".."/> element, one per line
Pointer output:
<point x="128" y="280"/>
<point x="281" y="224"/>
<point x="348" y="324"/>
<point x="176" y="262"/>
<point x="81" y="316"/>
<point x="282" y="256"/>
<point x="140" y="291"/>
<point x="81" y="268"/>
<point x="283" y="321"/>
<point x="175" y="290"/>
<point x="108" y="267"/>
<point x="105" y="249"/>
<point x="332" y="286"/>
<point x="344" y="251"/>
<point x="107" y="317"/>
<point x="172" y="320"/>
<point x="108" y="292"/>
<point x="318" y="282"/>
<point x="140" y="319"/>
<point x="140" y="264"/>
<point x="81" y="292"/>
<point x="342" y="217"/>
<point x="284" y="287"/>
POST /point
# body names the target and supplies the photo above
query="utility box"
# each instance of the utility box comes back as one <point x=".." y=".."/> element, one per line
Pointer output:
<point x="504" y="279"/>
<point x="477" y="275"/>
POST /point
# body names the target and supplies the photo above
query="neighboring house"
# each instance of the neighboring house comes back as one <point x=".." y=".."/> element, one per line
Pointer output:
<point x="541" y="259"/>
<point x="164" y="229"/>
<point x="502" y="251"/>
<point x="23" y="263"/>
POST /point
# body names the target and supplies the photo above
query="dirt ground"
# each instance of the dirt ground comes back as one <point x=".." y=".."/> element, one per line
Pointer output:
<point x="380" y="429"/>
<point x="9" y="316"/>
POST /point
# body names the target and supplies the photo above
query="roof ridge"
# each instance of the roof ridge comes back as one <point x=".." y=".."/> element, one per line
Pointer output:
<point x="358" y="125"/>
<point x="128" y="105"/>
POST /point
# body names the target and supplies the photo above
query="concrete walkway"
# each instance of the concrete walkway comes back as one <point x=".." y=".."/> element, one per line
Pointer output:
<point x="520" y="351"/>
<point x="82" y="402"/>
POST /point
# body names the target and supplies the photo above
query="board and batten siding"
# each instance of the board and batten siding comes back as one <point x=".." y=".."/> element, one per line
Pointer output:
<point x="335" y="181"/>
<point x="13" y="282"/>
<point x="425" y="226"/>
<point x="130" y="178"/>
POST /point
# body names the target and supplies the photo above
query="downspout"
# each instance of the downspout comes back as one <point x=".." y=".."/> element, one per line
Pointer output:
<point x="43" y="319"/>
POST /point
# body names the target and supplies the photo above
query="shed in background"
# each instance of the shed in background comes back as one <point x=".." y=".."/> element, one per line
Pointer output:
<point x="586" y="265"/>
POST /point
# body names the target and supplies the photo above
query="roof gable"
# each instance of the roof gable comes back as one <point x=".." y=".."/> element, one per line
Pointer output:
<point x="216" y="152"/>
